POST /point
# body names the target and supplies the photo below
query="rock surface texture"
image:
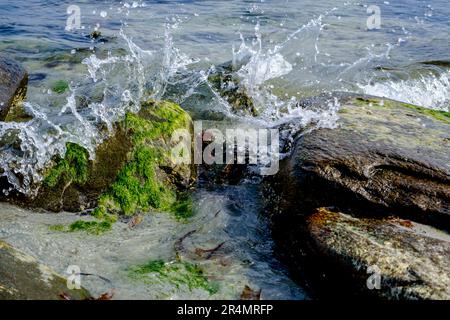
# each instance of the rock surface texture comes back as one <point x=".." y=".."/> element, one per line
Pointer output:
<point x="393" y="258"/>
<point x="23" y="278"/>
<point x="384" y="159"/>
<point x="384" y="154"/>
<point x="13" y="88"/>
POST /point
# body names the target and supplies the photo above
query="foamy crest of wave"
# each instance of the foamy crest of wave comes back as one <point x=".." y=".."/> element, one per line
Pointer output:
<point x="432" y="92"/>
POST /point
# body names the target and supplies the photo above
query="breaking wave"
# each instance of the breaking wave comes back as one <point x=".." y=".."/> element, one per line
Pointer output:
<point x="432" y="91"/>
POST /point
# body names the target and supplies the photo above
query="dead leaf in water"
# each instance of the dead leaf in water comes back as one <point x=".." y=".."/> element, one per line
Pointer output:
<point x="401" y="222"/>
<point x="105" y="296"/>
<point x="135" y="221"/>
<point x="250" y="294"/>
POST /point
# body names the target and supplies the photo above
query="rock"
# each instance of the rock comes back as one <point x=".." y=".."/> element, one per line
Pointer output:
<point x="388" y="258"/>
<point x="385" y="156"/>
<point x="227" y="84"/>
<point x="13" y="89"/>
<point x="23" y="278"/>
<point x="132" y="171"/>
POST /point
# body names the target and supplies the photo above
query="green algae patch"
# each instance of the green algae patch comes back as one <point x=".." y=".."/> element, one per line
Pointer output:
<point x="183" y="209"/>
<point x="72" y="168"/>
<point x="177" y="274"/>
<point x="60" y="86"/>
<point x="436" y="114"/>
<point x="90" y="227"/>
<point x="443" y="116"/>
<point x="141" y="185"/>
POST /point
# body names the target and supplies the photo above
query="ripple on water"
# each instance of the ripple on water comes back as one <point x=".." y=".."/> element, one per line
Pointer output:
<point x="234" y="249"/>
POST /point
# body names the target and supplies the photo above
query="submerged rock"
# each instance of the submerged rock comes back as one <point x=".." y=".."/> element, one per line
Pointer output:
<point x="384" y="155"/>
<point x="132" y="171"/>
<point x="227" y="84"/>
<point x="389" y="258"/>
<point x="23" y="277"/>
<point x="13" y="89"/>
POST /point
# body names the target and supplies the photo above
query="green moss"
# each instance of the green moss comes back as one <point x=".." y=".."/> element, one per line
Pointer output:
<point x="91" y="227"/>
<point x="436" y="114"/>
<point x="73" y="168"/>
<point x="174" y="273"/>
<point x="57" y="227"/>
<point x="141" y="184"/>
<point x="183" y="209"/>
<point x="138" y="186"/>
<point x="60" y="86"/>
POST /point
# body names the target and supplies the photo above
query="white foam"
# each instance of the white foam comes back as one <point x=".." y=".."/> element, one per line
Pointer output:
<point x="431" y="91"/>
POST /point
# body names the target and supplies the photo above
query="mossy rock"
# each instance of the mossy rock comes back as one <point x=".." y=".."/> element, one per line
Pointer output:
<point x="13" y="90"/>
<point x="132" y="171"/>
<point x="22" y="277"/>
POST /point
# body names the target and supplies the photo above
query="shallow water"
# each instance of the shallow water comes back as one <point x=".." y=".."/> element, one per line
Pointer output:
<point x="283" y="51"/>
<point x="228" y="217"/>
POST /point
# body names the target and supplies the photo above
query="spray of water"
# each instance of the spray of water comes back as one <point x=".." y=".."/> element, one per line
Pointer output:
<point x="429" y="91"/>
<point x="120" y="81"/>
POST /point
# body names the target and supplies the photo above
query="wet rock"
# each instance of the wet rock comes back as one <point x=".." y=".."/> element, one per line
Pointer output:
<point x="13" y="89"/>
<point x="133" y="170"/>
<point x="384" y="156"/>
<point x="225" y="81"/>
<point x="23" y="277"/>
<point x="387" y="258"/>
<point x="95" y="34"/>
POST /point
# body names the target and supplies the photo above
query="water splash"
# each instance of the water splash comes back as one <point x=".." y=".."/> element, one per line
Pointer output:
<point x="116" y="82"/>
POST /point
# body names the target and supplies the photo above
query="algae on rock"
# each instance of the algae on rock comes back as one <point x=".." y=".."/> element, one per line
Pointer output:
<point x="132" y="171"/>
<point x="178" y="273"/>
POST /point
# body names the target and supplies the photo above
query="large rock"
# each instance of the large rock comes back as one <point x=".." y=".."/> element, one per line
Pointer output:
<point x="389" y="258"/>
<point x="23" y="278"/>
<point x="13" y="89"/>
<point x="385" y="156"/>
<point x="132" y="171"/>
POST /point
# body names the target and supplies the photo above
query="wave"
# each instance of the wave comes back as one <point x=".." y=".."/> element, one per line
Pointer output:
<point x="432" y="91"/>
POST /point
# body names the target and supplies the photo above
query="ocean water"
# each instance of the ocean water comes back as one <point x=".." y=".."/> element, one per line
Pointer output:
<point x="287" y="50"/>
<point x="283" y="50"/>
